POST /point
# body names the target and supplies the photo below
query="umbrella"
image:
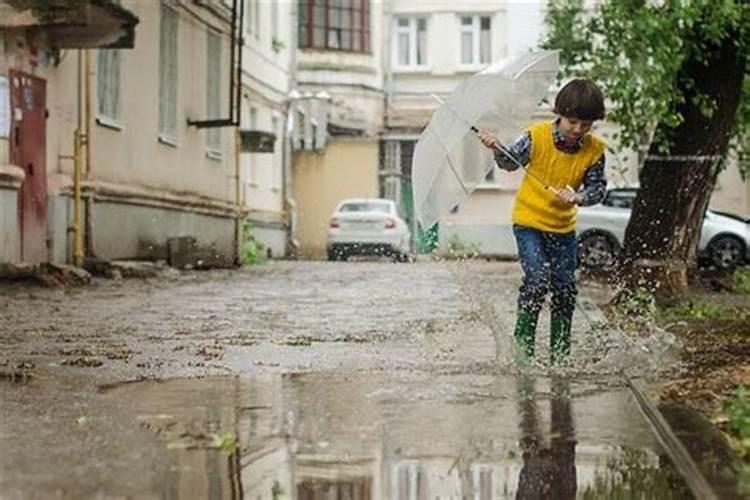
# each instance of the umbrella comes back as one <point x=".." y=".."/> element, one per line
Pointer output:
<point x="449" y="160"/>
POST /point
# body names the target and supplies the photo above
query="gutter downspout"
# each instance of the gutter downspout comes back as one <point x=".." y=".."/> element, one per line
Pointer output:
<point x="79" y="140"/>
<point x="89" y="213"/>
<point x="289" y="201"/>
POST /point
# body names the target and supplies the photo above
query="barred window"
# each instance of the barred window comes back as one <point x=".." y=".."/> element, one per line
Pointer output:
<point x="335" y="25"/>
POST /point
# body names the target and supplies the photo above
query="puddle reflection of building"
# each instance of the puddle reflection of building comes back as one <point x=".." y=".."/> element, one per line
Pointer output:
<point x="548" y="471"/>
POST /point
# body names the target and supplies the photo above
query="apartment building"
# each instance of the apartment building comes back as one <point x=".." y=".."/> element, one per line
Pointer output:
<point x="338" y="110"/>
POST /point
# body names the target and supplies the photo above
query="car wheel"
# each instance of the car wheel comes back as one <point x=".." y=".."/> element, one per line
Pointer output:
<point x="725" y="252"/>
<point x="336" y="254"/>
<point x="596" y="251"/>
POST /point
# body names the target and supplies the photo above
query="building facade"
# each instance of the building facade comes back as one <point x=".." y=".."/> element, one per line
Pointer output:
<point x="33" y="50"/>
<point x="338" y="112"/>
<point x="269" y="29"/>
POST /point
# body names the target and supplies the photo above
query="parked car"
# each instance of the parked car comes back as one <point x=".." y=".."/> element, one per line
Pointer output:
<point x="367" y="226"/>
<point x="724" y="241"/>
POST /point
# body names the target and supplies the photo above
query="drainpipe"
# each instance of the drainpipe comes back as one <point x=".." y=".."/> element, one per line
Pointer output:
<point x="237" y="200"/>
<point x="289" y="201"/>
<point x="89" y="214"/>
<point x="79" y="140"/>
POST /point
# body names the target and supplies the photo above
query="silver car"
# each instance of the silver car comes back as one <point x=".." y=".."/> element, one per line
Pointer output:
<point x="724" y="242"/>
<point x="367" y="226"/>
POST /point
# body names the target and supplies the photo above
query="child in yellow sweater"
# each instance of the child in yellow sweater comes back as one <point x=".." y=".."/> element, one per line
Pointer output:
<point x="565" y="168"/>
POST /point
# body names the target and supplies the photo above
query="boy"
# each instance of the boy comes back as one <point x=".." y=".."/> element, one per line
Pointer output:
<point x="565" y="166"/>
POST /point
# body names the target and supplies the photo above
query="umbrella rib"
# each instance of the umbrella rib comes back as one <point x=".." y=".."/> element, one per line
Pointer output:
<point x="450" y="164"/>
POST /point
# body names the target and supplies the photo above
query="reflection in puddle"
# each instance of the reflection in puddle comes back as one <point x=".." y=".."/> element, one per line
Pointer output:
<point x="321" y="437"/>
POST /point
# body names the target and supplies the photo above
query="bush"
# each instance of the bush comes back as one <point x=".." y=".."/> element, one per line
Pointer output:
<point x="737" y="409"/>
<point x="741" y="280"/>
<point x="253" y="251"/>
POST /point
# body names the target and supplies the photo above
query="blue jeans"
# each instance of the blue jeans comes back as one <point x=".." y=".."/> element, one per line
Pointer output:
<point x="549" y="262"/>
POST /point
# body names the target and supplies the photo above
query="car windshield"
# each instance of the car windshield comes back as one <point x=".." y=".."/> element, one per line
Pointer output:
<point x="366" y="206"/>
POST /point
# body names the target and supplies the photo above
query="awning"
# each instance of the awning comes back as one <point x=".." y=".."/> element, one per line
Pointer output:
<point x="72" y="24"/>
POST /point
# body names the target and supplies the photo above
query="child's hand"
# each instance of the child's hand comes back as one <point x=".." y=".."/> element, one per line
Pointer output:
<point x="568" y="195"/>
<point x="488" y="139"/>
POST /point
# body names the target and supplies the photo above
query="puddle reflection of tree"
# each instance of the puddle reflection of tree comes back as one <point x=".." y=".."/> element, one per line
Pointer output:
<point x="548" y="472"/>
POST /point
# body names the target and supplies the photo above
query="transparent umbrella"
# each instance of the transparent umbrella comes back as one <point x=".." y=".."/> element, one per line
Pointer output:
<point x="449" y="160"/>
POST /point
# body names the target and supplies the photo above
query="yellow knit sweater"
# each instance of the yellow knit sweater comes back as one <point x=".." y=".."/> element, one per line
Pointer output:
<point x="540" y="208"/>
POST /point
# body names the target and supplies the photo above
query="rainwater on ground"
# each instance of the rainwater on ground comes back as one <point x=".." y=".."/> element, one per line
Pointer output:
<point x="317" y="381"/>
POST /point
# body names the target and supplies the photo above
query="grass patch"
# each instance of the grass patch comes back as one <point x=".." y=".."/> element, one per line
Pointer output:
<point x="737" y="409"/>
<point x="741" y="280"/>
<point x="696" y="309"/>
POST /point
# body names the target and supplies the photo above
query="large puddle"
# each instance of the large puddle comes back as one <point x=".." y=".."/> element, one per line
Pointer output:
<point x="380" y="436"/>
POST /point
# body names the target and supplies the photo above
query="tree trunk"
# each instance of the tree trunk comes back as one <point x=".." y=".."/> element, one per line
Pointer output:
<point x="664" y="229"/>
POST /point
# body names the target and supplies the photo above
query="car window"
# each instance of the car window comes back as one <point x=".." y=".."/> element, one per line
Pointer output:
<point x="366" y="206"/>
<point x="620" y="199"/>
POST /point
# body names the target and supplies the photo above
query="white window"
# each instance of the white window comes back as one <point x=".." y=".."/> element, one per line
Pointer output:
<point x="476" y="39"/>
<point x="274" y="22"/>
<point x="168" y="74"/>
<point x="253" y="159"/>
<point x="252" y="17"/>
<point x="213" y="90"/>
<point x="410" y="42"/>
<point x="108" y="84"/>
<point x="276" y="183"/>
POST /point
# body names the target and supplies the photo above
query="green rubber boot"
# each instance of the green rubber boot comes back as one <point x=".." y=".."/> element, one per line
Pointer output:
<point x="524" y="335"/>
<point x="559" y="338"/>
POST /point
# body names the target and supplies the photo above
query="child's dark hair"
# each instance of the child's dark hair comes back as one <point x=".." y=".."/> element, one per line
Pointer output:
<point x="580" y="98"/>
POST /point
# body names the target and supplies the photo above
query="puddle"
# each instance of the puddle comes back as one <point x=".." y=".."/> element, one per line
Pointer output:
<point x="379" y="436"/>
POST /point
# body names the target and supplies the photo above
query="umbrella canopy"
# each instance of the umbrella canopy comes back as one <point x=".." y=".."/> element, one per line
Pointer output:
<point x="449" y="160"/>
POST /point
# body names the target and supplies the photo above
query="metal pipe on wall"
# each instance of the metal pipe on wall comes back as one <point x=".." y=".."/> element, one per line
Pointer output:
<point x="89" y="213"/>
<point x="78" y="158"/>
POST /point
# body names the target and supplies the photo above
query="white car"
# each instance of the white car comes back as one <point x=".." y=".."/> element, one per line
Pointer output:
<point x="724" y="242"/>
<point x="367" y="226"/>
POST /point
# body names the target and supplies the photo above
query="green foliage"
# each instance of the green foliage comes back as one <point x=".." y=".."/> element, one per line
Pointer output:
<point x="635" y="310"/>
<point x="460" y="249"/>
<point x="636" y="50"/>
<point x="696" y="310"/>
<point x="253" y="251"/>
<point x="742" y="280"/>
<point x="737" y="410"/>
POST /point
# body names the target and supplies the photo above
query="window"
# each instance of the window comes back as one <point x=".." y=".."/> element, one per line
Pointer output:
<point x="276" y="183"/>
<point x="274" y="22"/>
<point x="335" y="24"/>
<point x="168" y="74"/>
<point x="253" y="161"/>
<point x="108" y="84"/>
<point x="476" y="40"/>
<point x="252" y="18"/>
<point x="213" y="90"/>
<point x="411" y="42"/>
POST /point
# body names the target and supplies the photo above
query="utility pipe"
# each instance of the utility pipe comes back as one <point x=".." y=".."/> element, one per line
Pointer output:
<point x="89" y="215"/>
<point x="78" y="158"/>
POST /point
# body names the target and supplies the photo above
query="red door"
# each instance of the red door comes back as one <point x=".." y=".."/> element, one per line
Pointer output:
<point x="28" y="98"/>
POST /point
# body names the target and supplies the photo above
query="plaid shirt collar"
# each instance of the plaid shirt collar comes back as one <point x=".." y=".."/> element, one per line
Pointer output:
<point x="560" y="142"/>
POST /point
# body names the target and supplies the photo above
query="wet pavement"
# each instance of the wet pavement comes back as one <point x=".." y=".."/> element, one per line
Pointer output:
<point x="316" y="380"/>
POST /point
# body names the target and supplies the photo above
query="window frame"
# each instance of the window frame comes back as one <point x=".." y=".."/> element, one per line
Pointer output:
<point x="412" y="31"/>
<point x="361" y="31"/>
<point x="476" y="33"/>
<point x="213" y="93"/>
<point x="168" y="110"/>
<point x="107" y="78"/>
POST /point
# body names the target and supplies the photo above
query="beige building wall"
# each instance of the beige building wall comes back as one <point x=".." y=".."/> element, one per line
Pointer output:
<point x="348" y="169"/>
<point x="171" y="186"/>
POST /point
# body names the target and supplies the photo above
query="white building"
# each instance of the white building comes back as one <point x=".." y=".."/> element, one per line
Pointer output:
<point x="267" y="67"/>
